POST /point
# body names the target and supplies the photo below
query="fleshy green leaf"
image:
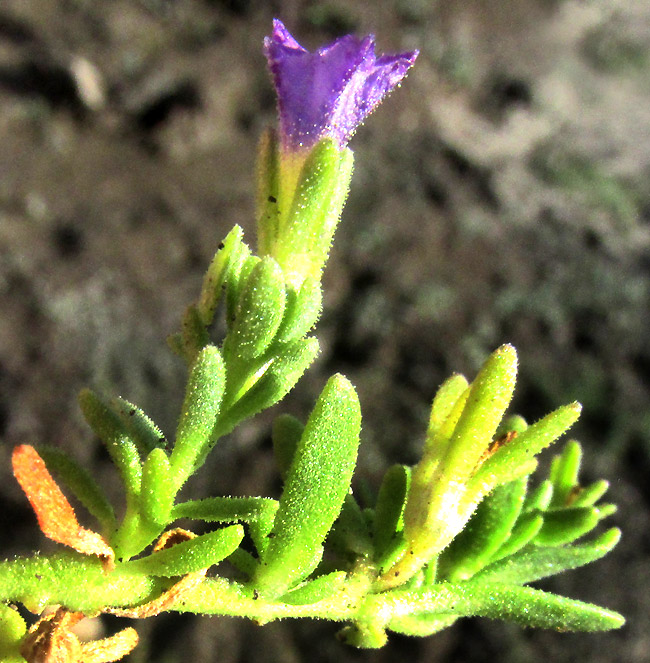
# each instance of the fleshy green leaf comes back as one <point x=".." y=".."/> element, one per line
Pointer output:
<point x="512" y="424"/>
<point x="445" y="399"/>
<point x="564" y="473"/>
<point x="217" y="275"/>
<point x="66" y="579"/>
<point x="203" y="395"/>
<point x="258" y="314"/>
<point x="194" y="334"/>
<point x="256" y="512"/>
<point x="590" y="494"/>
<point x="301" y="310"/>
<point x="514" y="458"/>
<point x="142" y="430"/>
<point x="111" y="431"/>
<point x="442" y="494"/>
<point x="278" y="377"/>
<point x="363" y="635"/>
<point x="188" y="556"/>
<point x="157" y="495"/>
<point x="536" y="562"/>
<point x="12" y="631"/>
<point x="425" y="477"/>
<point x="81" y="483"/>
<point x="317" y="483"/>
<point x="316" y="590"/>
<point x="524" y="531"/>
<point x="488" y="528"/>
<point x="563" y="526"/>
<point x="243" y="561"/>
<point x="522" y="605"/>
<point x="350" y="536"/>
<point x="389" y="509"/>
<point x="489" y="396"/>
<point x="540" y="497"/>
<point x="421" y="625"/>
<point x="287" y="431"/>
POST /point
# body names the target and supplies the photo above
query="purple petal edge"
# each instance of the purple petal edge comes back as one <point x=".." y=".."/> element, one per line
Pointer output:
<point x="328" y="93"/>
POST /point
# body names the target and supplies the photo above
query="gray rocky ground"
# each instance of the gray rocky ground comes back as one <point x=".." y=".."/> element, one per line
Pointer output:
<point x="500" y="196"/>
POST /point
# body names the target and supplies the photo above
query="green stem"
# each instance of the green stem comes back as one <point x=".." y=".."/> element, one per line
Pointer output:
<point x="81" y="584"/>
<point x="77" y="581"/>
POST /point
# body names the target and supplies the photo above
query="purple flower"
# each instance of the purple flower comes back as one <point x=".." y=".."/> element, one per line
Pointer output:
<point x="328" y="93"/>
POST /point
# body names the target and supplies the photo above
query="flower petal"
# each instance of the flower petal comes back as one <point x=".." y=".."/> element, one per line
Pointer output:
<point x="328" y="93"/>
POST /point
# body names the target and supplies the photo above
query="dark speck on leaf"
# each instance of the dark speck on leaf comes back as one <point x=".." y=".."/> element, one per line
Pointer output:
<point x="221" y="245"/>
<point x="272" y="199"/>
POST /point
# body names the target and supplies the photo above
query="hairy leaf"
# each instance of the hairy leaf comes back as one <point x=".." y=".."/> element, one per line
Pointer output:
<point x="188" y="556"/>
<point x="316" y="485"/>
<point x="203" y="396"/>
<point x="256" y="512"/>
<point x="536" y="562"/>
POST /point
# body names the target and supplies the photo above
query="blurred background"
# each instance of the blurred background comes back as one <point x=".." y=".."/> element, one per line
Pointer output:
<point x="501" y="195"/>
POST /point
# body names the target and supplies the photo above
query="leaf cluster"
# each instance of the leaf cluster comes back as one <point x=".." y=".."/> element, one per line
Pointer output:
<point x="461" y="533"/>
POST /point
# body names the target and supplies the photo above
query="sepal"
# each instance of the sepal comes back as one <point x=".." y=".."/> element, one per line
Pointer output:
<point x="223" y="264"/>
<point x="303" y="307"/>
<point x="300" y="201"/>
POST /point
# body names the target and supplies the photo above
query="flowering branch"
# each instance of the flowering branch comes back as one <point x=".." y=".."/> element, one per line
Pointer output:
<point x="461" y="533"/>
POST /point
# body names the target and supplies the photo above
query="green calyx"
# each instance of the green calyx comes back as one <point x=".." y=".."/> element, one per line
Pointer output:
<point x="300" y="200"/>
